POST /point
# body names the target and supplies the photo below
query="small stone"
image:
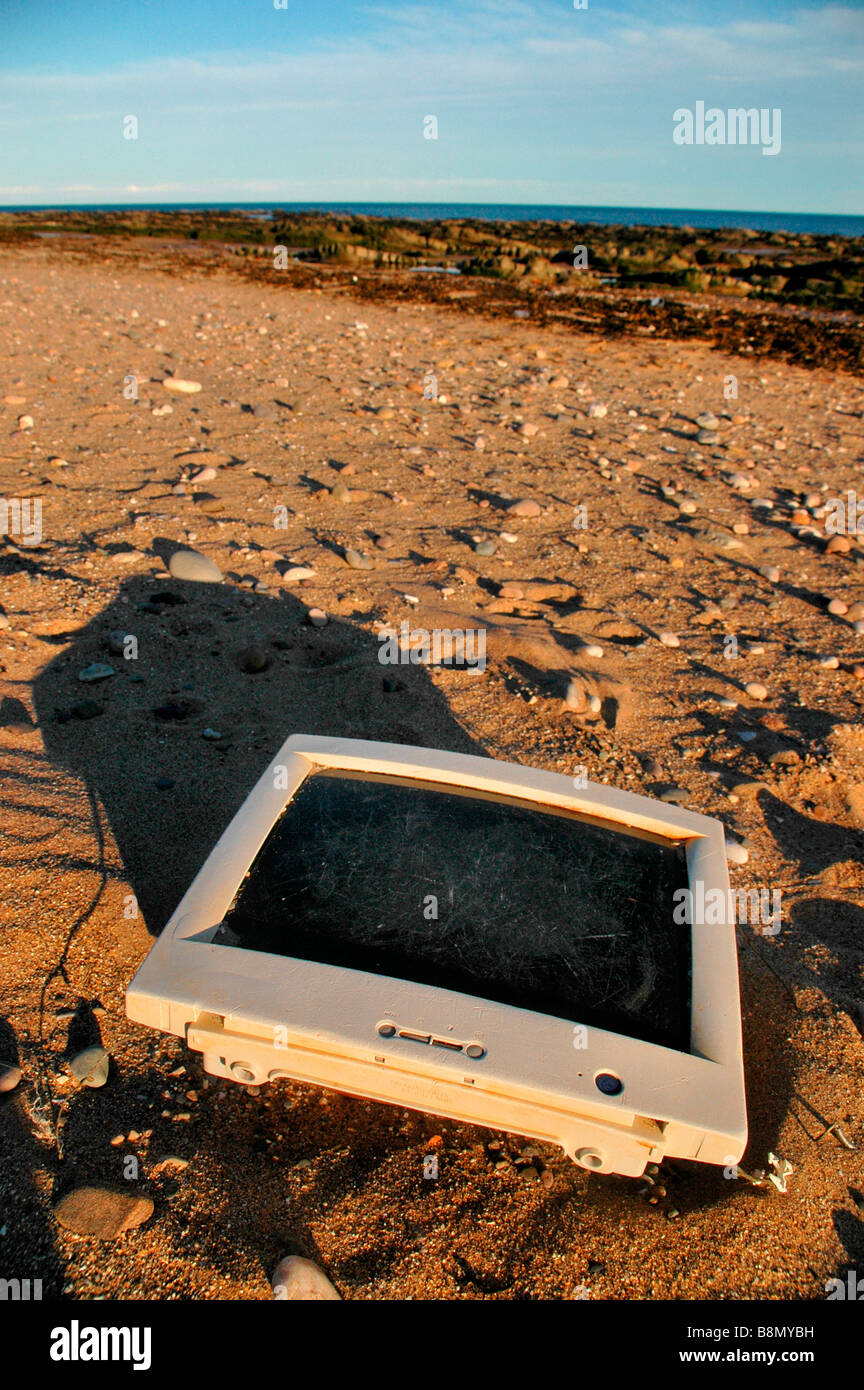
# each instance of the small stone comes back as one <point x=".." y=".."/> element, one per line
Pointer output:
<point x="386" y="412"/>
<point x="837" y="608"/>
<point x="526" y="506"/>
<point x="317" y="617"/>
<point x="340" y="493"/>
<point x="597" y="411"/>
<point x="25" y="422"/>
<point x="85" y="709"/>
<point x="855" y="613"/>
<point x="296" y="573"/>
<point x="299" y="1280"/>
<point x="669" y="639"/>
<point x="97" y="671"/>
<point x="706" y="437"/>
<point x="528" y="431"/>
<point x="102" y="1212"/>
<point x="357" y="560"/>
<point x="212" y="735"/>
<point x="254" y="659"/>
<point x="756" y="690"/>
<point x="205" y="474"/>
<point x="178" y="387"/>
<point x="484" y="548"/>
<point x="385" y="541"/>
<point x="771" y="573"/>
<point x="736" y="852"/>
<point x="838" y="545"/>
<point x="707" y="421"/>
<point x="10" y="1075"/>
<point x="90" y="1067"/>
<point x="191" y="565"/>
<point x="829" y="663"/>
<point x="511" y="590"/>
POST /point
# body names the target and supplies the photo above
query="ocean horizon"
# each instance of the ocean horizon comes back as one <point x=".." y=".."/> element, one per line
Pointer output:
<point x="817" y="224"/>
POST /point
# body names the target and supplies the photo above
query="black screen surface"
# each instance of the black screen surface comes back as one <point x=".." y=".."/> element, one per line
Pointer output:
<point x="494" y="898"/>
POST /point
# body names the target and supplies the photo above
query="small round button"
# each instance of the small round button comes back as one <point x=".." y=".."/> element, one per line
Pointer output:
<point x="387" y="1030"/>
<point x="608" y="1083"/>
<point x="242" y="1071"/>
<point x="475" y="1051"/>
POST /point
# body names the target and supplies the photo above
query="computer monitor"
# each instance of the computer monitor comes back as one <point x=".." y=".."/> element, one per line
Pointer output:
<point x="492" y="943"/>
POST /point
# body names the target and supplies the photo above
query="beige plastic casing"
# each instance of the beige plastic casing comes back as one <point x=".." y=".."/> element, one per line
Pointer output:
<point x="258" y="1017"/>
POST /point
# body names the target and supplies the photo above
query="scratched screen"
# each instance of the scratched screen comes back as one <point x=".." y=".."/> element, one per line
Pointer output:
<point x="494" y="898"/>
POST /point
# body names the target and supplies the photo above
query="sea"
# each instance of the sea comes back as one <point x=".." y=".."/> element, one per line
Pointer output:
<point x="817" y="223"/>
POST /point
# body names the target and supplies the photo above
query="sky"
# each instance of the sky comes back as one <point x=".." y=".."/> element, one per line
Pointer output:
<point x="535" y="102"/>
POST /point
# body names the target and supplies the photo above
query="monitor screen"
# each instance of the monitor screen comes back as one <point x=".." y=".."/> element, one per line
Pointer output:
<point x="496" y="897"/>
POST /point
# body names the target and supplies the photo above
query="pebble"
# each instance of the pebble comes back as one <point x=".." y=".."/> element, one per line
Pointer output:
<point x="837" y="607"/>
<point x="25" y="422"/>
<point x="509" y="537"/>
<point x="85" y="709"/>
<point x="317" y="617"/>
<point x="205" y="474"/>
<point x="385" y="541"/>
<point x="298" y="572"/>
<point x="597" y="411"/>
<point x="838" y="545"/>
<point x="178" y="387"/>
<point x="669" y="639"/>
<point x="102" y="1212"/>
<point x="736" y="852"/>
<point x="707" y="421"/>
<point x="299" y="1280"/>
<point x="10" y="1075"/>
<point x="357" y="560"/>
<point x="855" y="613"/>
<point x="706" y="437"/>
<point x="254" y="659"/>
<point x="340" y="493"/>
<point x="97" y="671"/>
<point x="756" y="690"/>
<point x="830" y="663"/>
<point x="190" y="564"/>
<point x="484" y="548"/>
<point x="116" y="641"/>
<point x="90" y="1067"/>
<point x="528" y="431"/>
<point x="526" y="506"/>
<point x="771" y="573"/>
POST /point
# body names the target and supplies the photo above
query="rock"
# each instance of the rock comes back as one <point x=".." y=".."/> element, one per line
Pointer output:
<point x="25" y="422"/>
<point x="528" y="431"/>
<point x="178" y="387"/>
<point x="511" y="590"/>
<point x="706" y="437"/>
<point x="116" y="641"/>
<point x="103" y="1212"/>
<point x="484" y="548"/>
<point x="264" y="411"/>
<point x="830" y="663"/>
<point x="386" y="412"/>
<point x="297" y="573"/>
<point x="669" y="639"/>
<point x="317" y="617"/>
<point x="771" y="573"/>
<point x="855" y="613"/>
<point x="385" y="541"/>
<point x="90" y="1067"/>
<point x="756" y="690"/>
<point x="205" y="474"/>
<point x="85" y="709"/>
<point x="97" y="671"/>
<point x="190" y="564"/>
<point x="597" y="411"/>
<point x="10" y="1075"/>
<point x="707" y="421"/>
<point x="837" y="608"/>
<point x="254" y="659"/>
<point x="357" y="560"/>
<point x="299" y="1280"/>
<point x="838" y="545"/>
<point x="736" y="852"/>
<point x="526" y="506"/>
<point x="340" y="493"/>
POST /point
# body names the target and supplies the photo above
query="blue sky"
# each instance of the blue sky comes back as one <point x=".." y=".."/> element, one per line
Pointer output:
<point x="536" y="102"/>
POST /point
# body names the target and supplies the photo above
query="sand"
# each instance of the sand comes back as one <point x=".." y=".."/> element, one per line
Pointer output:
<point x="96" y="854"/>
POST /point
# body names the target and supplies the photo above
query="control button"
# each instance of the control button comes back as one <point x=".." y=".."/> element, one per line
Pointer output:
<point x="475" y="1051"/>
<point x="608" y="1083"/>
<point x="242" y="1071"/>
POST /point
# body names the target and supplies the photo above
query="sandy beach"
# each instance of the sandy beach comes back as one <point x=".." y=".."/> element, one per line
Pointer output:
<point x="692" y="551"/>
